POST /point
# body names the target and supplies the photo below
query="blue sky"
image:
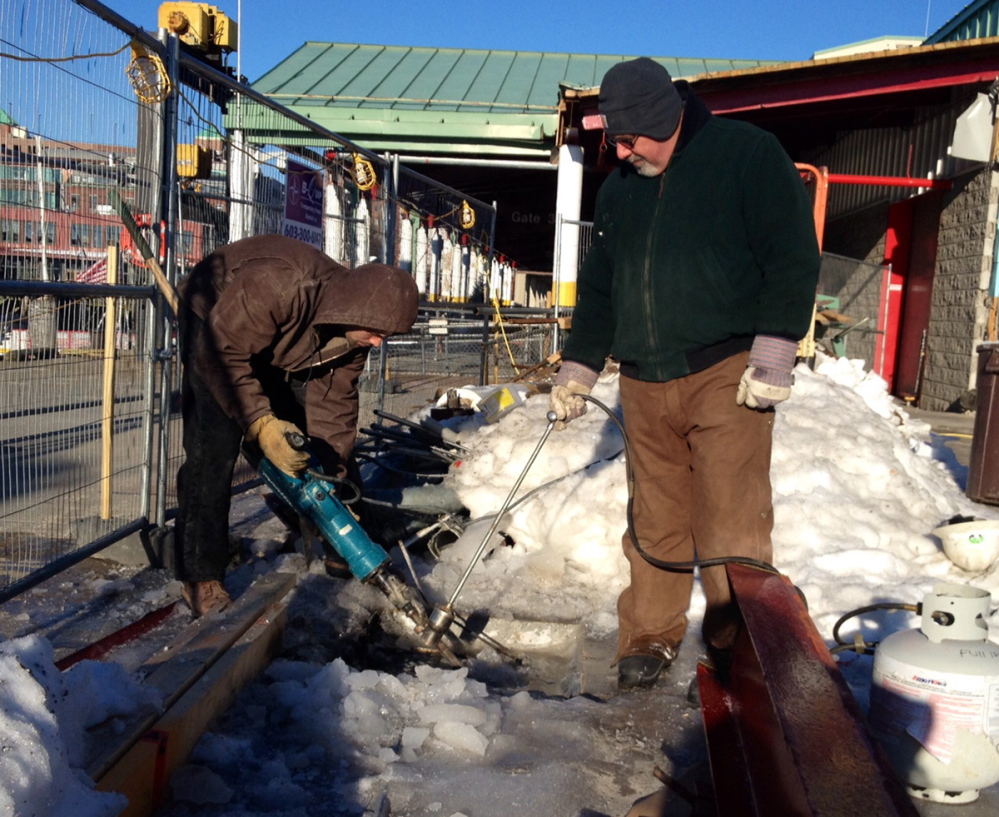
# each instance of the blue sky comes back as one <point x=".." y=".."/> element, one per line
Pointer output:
<point x="735" y="29"/>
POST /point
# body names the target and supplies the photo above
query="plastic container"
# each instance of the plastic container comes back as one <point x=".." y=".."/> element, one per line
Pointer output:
<point x="502" y="401"/>
<point x="972" y="545"/>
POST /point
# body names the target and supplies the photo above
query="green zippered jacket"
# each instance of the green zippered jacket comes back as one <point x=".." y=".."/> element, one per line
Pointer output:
<point x="687" y="267"/>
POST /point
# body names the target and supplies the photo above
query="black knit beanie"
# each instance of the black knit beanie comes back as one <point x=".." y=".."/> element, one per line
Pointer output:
<point x="638" y="96"/>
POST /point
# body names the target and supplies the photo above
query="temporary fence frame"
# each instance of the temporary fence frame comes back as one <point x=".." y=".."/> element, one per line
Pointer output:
<point x="442" y="236"/>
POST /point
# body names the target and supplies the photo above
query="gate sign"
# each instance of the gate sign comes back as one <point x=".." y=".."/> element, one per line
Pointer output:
<point x="303" y="204"/>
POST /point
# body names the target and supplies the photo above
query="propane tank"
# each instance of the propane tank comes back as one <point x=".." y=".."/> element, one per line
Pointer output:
<point x="935" y="698"/>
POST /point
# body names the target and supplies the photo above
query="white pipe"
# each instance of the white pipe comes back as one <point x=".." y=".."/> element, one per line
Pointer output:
<point x="422" y="262"/>
<point x="434" y="288"/>
<point x="361" y="251"/>
<point x="568" y="203"/>
<point x="243" y="170"/>
<point x="333" y="241"/>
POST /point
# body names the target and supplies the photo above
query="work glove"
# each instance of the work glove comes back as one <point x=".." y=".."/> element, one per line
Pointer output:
<point x="269" y="432"/>
<point x="572" y="380"/>
<point x="767" y="379"/>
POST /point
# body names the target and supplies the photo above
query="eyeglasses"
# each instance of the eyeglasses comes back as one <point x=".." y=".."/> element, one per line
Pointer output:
<point x="627" y="142"/>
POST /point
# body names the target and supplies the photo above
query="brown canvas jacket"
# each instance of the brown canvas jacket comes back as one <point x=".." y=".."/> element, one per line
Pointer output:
<point x="274" y="302"/>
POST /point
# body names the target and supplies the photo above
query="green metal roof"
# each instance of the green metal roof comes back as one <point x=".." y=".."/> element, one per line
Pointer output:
<point x="976" y="20"/>
<point x="445" y="99"/>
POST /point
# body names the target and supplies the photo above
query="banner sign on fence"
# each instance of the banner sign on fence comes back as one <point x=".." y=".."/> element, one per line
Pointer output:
<point x="303" y="204"/>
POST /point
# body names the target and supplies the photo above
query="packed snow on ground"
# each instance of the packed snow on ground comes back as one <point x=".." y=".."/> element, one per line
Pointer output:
<point x="858" y="487"/>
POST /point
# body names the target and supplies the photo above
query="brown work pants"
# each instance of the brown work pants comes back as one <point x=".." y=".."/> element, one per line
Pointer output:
<point x="702" y="487"/>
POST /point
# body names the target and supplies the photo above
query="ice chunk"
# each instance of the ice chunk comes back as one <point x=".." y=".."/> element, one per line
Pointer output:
<point x="462" y="736"/>
<point x="413" y="737"/>
<point x="458" y="713"/>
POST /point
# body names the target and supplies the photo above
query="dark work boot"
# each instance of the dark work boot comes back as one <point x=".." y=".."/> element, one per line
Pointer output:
<point x="203" y="597"/>
<point x="642" y="670"/>
<point x="721" y="661"/>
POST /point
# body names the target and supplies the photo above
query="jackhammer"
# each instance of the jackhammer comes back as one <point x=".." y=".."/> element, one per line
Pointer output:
<point x="313" y="497"/>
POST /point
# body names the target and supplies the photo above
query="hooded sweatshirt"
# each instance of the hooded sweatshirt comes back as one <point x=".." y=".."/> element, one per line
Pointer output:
<point x="271" y="303"/>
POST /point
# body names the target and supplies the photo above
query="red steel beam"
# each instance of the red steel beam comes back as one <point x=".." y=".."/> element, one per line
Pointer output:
<point x="103" y="646"/>
<point x="831" y="88"/>
<point x="785" y="734"/>
<point x="890" y="181"/>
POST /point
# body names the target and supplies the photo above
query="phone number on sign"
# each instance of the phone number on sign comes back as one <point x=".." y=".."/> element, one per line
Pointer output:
<point x="309" y="235"/>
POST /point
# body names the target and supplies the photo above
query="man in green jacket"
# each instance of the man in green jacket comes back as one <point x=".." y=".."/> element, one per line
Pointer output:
<point x="700" y="281"/>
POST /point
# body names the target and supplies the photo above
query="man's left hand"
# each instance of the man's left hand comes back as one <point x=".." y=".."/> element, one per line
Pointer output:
<point x="767" y="379"/>
<point x="757" y="394"/>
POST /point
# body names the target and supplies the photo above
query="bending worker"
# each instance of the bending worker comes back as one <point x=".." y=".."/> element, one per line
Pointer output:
<point x="274" y="336"/>
<point x="700" y="280"/>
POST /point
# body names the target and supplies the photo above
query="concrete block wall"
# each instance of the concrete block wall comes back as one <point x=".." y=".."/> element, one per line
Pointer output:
<point x="960" y="287"/>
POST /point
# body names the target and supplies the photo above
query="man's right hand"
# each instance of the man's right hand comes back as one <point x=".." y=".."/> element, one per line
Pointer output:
<point x="572" y="380"/>
<point x="270" y="434"/>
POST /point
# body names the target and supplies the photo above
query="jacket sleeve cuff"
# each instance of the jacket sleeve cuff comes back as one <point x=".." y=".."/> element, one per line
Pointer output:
<point x="773" y="353"/>
<point x="570" y="370"/>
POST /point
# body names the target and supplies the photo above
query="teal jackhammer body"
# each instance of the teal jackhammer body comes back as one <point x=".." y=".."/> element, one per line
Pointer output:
<point x="313" y="498"/>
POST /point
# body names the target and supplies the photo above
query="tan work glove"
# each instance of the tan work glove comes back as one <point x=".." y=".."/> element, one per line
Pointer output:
<point x="572" y="380"/>
<point x="269" y="432"/>
<point x="767" y="379"/>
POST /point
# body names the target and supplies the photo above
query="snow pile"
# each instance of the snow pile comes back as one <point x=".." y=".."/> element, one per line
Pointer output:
<point x="44" y="715"/>
<point x="856" y="494"/>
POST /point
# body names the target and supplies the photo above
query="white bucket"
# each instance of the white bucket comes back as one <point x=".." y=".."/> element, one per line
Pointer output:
<point x="973" y="545"/>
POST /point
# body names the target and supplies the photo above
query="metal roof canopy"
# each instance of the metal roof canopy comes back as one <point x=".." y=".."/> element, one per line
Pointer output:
<point x="447" y="101"/>
<point x="978" y="19"/>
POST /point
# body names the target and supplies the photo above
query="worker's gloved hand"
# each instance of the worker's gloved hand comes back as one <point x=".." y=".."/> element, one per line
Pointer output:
<point x="767" y="379"/>
<point x="269" y="432"/>
<point x="572" y="380"/>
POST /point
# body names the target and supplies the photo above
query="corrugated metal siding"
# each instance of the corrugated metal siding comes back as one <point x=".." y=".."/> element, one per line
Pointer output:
<point x="448" y="79"/>
<point x="976" y="20"/>
<point x="919" y="151"/>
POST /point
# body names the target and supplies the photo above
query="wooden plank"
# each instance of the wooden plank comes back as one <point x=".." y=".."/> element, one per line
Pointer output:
<point x="143" y="772"/>
<point x="175" y="670"/>
<point x="107" y="427"/>
<point x="165" y="287"/>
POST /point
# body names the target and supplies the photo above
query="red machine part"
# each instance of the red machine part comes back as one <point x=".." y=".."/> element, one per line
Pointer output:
<point x="785" y="734"/>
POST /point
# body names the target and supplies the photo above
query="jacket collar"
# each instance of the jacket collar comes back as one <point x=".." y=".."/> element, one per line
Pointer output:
<point x="695" y="115"/>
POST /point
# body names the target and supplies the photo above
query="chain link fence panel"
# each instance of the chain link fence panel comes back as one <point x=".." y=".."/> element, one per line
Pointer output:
<point x="99" y="119"/>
